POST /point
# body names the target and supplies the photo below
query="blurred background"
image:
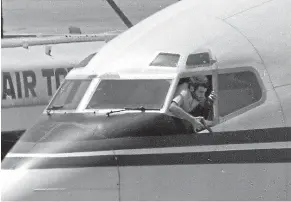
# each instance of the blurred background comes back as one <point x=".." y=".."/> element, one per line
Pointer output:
<point x="55" y="16"/>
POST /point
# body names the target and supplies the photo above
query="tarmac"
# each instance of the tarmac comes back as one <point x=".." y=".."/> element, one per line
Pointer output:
<point x="55" y="16"/>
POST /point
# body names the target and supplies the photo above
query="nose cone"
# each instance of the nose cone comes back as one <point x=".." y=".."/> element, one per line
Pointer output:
<point x="61" y="184"/>
<point x="71" y="158"/>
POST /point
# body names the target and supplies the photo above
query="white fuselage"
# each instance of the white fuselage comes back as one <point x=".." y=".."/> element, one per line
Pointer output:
<point x="246" y="158"/>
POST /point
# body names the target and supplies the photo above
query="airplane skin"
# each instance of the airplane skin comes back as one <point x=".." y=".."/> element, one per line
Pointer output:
<point x="32" y="69"/>
<point x="87" y="153"/>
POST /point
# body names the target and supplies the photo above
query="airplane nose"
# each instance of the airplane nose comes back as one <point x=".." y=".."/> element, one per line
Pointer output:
<point x="73" y="184"/>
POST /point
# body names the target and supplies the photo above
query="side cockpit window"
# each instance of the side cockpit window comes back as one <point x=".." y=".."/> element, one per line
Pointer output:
<point x="218" y="97"/>
<point x="237" y="90"/>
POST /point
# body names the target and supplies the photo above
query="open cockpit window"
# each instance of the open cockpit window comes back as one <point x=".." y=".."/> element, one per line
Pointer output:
<point x="192" y="95"/>
<point x="235" y="91"/>
<point x="69" y="95"/>
<point x="120" y="94"/>
<point x="166" y="60"/>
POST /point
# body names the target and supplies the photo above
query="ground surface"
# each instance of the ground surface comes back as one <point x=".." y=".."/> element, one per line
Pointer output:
<point x="55" y="16"/>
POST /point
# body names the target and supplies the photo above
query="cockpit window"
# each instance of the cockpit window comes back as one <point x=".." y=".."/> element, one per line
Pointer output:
<point x="118" y="94"/>
<point x="69" y="95"/>
<point x="166" y="60"/>
<point x="237" y="90"/>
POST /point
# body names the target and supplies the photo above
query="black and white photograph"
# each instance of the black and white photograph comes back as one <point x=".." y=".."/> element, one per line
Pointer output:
<point x="145" y="100"/>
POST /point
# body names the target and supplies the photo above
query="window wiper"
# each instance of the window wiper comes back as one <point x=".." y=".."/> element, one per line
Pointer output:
<point x="142" y="109"/>
<point x="54" y="107"/>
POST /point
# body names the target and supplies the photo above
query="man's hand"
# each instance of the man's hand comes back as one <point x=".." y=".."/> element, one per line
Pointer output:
<point x="212" y="97"/>
<point x="196" y="123"/>
<point x="208" y="123"/>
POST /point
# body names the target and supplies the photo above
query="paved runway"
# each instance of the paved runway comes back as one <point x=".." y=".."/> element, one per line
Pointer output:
<point x="55" y="16"/>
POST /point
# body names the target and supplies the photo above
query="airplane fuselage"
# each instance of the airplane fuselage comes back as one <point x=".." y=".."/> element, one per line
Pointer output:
<point x="98" y="140"/>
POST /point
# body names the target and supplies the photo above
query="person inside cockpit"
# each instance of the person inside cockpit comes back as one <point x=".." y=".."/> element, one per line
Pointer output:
<point x="190" y="102"/>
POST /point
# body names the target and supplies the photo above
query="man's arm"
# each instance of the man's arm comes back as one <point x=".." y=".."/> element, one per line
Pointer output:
<point x="180" y="113"/>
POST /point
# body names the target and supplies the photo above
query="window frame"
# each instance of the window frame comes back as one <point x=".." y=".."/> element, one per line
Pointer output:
<point x="206" y="72"/>
<point x="214" y="72"/>
<point x="79" y="107"/>
<point x="97" y="81"/>
<point x="166" y="53"/>
<point x="250" y="106"/>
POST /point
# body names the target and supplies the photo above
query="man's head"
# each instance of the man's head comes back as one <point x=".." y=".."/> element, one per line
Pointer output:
<point x="198" y="86"/>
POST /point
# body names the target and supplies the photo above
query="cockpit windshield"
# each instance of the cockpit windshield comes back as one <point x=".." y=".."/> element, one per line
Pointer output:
<point x="69" y="95"/>
<point x="120" y="94"/>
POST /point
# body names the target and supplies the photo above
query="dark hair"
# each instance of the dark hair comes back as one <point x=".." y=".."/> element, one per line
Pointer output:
<point x="184" y="80"/>
<point x="197" y="81"/>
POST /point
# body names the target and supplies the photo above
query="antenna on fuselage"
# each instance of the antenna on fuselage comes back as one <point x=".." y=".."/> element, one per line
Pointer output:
<point x="122" y="16"/>
<point x="2" y="23"/>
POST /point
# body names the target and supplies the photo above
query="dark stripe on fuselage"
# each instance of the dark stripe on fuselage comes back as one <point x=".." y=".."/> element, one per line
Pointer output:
<point x="243" y="154"/>
<point x="217" y="138"/>
<point x="188" y="158"/>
